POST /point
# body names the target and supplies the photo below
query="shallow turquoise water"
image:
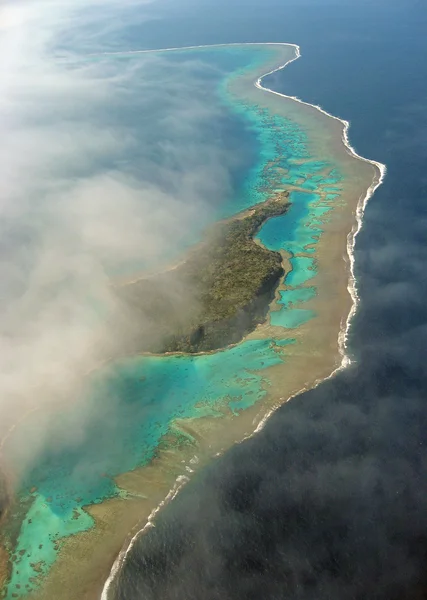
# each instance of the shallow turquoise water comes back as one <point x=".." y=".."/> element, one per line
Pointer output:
<point x="292" y="297"/>
<point x="132" y="405"/>
<point x="303" y="269"/>
<point x="131" y="408"/>
<point x="289" y="319"/>
<point x="290" y="315"/>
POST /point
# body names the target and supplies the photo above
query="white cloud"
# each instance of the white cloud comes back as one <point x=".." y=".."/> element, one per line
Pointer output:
<point x="87" y="188"/>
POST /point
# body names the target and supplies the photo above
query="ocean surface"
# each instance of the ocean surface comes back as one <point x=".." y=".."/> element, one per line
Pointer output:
<point x="359" y="62"/>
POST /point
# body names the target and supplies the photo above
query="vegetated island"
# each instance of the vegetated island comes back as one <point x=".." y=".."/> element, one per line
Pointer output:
<point x="213" y="298"/>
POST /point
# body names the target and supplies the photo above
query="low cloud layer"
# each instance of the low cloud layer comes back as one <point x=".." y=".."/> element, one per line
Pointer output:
<point x="107" y="167"/>
<point x="330" y="500"/>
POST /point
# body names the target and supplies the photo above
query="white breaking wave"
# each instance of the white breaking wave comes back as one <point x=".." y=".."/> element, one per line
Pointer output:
<point x="351" y="240"/>
<point x="352" y="288"/>
<point x="179" y="483"/>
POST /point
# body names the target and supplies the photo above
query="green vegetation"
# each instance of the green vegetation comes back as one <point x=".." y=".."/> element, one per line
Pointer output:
<point x="218" y="294"/>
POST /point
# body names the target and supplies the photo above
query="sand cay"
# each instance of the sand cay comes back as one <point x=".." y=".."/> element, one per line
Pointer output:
<point x="179" y="411"/>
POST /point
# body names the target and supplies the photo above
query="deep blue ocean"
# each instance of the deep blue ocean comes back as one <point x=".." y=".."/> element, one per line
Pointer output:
<point x="330" y="500"/>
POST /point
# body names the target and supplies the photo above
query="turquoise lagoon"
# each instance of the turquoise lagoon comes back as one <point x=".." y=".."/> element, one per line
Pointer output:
<point x="133" y="403"/>
<point x="130" y="408"/>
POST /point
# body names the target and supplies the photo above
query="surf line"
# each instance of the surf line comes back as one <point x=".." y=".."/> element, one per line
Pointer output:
<point x="363" y="200"/>
<point x="351" y="287"/>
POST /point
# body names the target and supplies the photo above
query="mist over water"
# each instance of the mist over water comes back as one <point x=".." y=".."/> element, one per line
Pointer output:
<point x="126" y="408"/>
<point x="85" y="198"/>
<point x="329" y="500"/>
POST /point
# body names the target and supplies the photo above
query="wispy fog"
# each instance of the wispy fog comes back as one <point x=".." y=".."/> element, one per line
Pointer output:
<point x="106" y="168"/>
